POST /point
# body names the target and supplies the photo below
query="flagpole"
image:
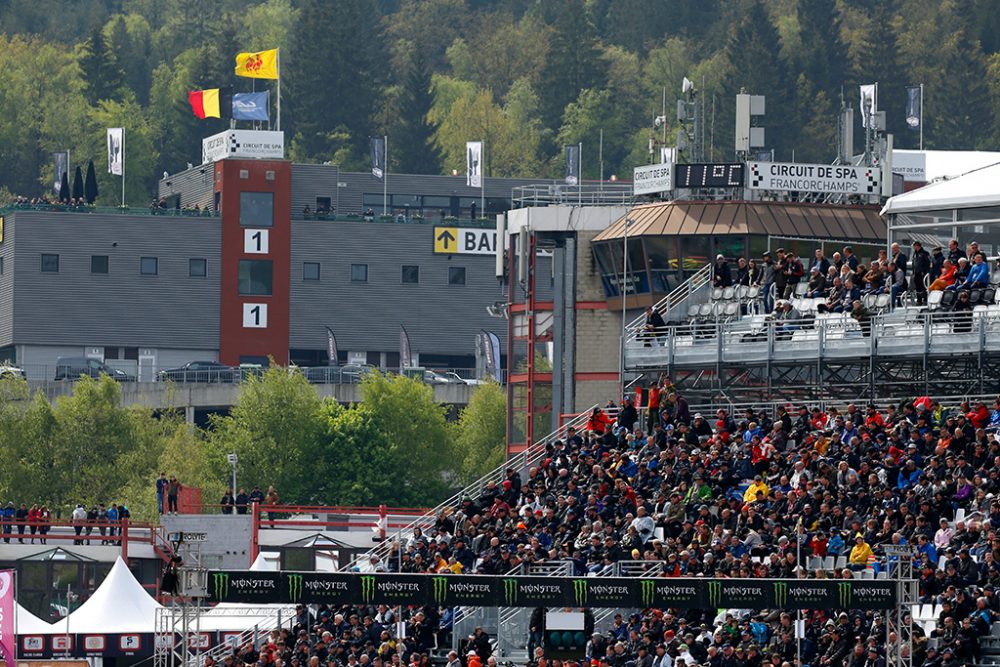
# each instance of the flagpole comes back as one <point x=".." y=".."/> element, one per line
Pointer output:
<point x="482" y="182"/>
<point x="579" y="178"/>
<point x="385" y="173"/>
<point x="921" y="116"/>
<point x="123" y="167"/>
<point x="277" y="59"/>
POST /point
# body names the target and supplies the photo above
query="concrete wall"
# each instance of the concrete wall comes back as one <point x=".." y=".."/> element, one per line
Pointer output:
<point x="597" y="332"/>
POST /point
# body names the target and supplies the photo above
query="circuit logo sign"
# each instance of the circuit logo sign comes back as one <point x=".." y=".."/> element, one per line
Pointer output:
<point x="647" y="590"/>
<point x="367" y="588"/>
<point x="440" y="589"/>
<point x="509" y="592"/>
<point x="295" y="587"/>
<point x="580" y="592"/>
<point x="220" y="585"/>
<point x="845" y="592"/>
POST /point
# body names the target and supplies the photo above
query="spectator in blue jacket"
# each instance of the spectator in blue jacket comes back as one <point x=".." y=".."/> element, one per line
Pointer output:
<point x="909" y="475"/>
<point x="979" y="276"/>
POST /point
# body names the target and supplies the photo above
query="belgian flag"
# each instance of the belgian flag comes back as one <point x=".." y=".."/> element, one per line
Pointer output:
<point x="212" y="102"/>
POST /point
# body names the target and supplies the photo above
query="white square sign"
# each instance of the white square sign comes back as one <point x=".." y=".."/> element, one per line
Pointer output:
<point x="255" y="241"/>
<point x="254" y="315"/>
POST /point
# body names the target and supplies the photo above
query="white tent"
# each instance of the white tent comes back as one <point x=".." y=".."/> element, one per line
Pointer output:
<point x="120" y="604"/>
<point x="980" y="187"/>
<point x="29" y="624"/>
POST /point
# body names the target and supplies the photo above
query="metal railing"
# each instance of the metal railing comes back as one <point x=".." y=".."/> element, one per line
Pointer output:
<point x="520" y="461"/>
<point x="825" y="336"/>
<point x="695" y="285"/>
<point x="585" y="194"/>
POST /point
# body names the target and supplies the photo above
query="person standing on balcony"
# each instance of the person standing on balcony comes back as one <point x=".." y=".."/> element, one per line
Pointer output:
<point x="242" y="500"/>
<point x="721" y="275"/>
<point x="921" y="266"/>
<point x="767" y="279"/>
<point x="161" y="491"/>
<point x="173" y="489"/>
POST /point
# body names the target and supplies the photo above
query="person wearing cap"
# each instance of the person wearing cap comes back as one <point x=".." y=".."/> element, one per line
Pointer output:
<point x="767" y="277"/>
<point x="860" y="553"/>
<point x="793" y="272"/>
<point x="721" y="275"/>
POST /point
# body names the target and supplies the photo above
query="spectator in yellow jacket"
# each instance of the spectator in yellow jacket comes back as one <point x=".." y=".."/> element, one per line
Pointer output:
<point x="861" y="552"/>
<point x="750" y="494"/>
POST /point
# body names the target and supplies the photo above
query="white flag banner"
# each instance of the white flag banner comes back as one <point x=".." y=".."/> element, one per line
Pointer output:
<point x="869" y="102"/>
<point x="474" y="164"/>
<point x="116" y="153"/>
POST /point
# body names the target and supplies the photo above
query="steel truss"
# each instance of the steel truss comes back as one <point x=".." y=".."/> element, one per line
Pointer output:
<point x="899" y="621"/>
<point x="872" y="378"/>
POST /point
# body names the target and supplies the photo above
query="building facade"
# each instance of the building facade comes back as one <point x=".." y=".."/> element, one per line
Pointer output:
<point x="254" y="279"/>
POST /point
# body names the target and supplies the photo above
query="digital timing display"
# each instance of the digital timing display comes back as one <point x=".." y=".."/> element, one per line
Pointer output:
<point x="708" y="175"/>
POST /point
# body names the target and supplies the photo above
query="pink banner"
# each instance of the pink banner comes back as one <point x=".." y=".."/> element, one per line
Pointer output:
<point x="7" y="620"/>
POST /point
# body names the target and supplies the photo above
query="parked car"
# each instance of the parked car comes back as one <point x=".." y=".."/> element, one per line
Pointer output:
<point x="432" y="377"/>
<point x="8" y="371"/>
<point x="461" y="380"/>
<point x="350" y="374"/>
<point x="200" y="371"/>
<point x="73" y="368"/>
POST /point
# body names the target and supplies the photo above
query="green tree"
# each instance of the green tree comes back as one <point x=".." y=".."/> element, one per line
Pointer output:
<point x="277" y="429"/>
<point x="140" y="153"/>
<point x="129" y="37"/>
<point x="101" y="71"/>
<point x="481" y="431"/>
<point x="269" y="25"/>
<point x="415" y="151"/>
<point x="823" y="57"/>
<point x="334" y="77"/>
<point x="573" y="64"/>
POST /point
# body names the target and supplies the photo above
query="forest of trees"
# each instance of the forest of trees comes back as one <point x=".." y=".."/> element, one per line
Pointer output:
<point x="526" y="76"/>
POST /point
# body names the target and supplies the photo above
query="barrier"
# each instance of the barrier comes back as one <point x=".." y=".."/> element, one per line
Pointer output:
<point x="341" y="588"/>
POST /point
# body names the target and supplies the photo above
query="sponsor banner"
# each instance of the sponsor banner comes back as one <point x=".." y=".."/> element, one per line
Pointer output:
<point x="738" y="593"/>
<point x="320" y="587"/>
<point x="535" y="592"/>
<point x="794" y="176"/>
<point x="246" y="586"/>
<point x="652" y="178"/>
<point x="448" y="590"/>
<point x="679" y="593"/>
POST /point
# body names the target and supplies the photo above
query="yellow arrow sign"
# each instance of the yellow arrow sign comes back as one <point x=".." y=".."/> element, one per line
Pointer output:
<point x="446" y="239"/>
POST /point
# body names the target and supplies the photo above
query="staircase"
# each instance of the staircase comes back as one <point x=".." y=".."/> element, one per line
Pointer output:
<point x="520" y="462"/>
<point x="674" y="305"/>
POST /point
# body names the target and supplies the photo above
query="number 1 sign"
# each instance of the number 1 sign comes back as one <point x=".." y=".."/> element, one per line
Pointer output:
<point x="254" y="315"/>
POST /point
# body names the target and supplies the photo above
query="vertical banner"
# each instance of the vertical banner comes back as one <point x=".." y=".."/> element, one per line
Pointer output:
<point x="405" y="358"/>
<point x="331" y="348"/>
<point x="474" y="164"/>
<point x="572" y="164"/>
<point x="378" y="157"/>
<point x="494" y="346"/>
<point x="116" y="156"/>
<point x="869" y="102"/>
<point x="913" y="110"/>
<point x="7" y="620"/>
<point x="60" y="161"/>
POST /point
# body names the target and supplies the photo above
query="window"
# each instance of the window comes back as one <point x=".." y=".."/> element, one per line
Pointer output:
<point x="255" y="277"/>
<point x="50" y="263"/>
<point x="310" y="271"/>
<point x="1" y="266"/>
<point x="456" y="275"/>
<point x="148" y="266"/>
<point x="359" y="273"/>
<point x="256" y="209"/>
<point x="197" y="267"/>
<point x="410" y="275"/>
<point x="98" y="263"/>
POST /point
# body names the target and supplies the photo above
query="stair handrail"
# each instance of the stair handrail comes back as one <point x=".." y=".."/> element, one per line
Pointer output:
<point x="524" y="459"/>
<point x="676" y="297"/>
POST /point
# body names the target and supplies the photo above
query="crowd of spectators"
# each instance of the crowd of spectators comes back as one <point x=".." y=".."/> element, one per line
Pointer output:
<point x="751" y="495"/>
<point x="843" y="279"/>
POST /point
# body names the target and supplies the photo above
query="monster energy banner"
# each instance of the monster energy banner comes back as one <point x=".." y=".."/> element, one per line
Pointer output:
<point x="517" y="591"/>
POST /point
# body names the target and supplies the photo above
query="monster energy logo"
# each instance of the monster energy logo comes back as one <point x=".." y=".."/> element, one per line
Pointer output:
<point x="510" y="592"/>
<point x="647" y="587"/>
<point x="367" y="588"/>
<point x="440" y="589"/>
<point x="844" y="593"/>
<point x="295" y="587"/>
<point x="714" y="593"/>
<point x="220" y="585"/>
<point x="780" y="594"/>
<point x="580" y="592"/>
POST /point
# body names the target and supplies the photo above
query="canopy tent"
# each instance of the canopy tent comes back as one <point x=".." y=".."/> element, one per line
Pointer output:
<point x="29" y="624"/>
<point x="974" y="189"/>
<point x="119" y="605"/>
